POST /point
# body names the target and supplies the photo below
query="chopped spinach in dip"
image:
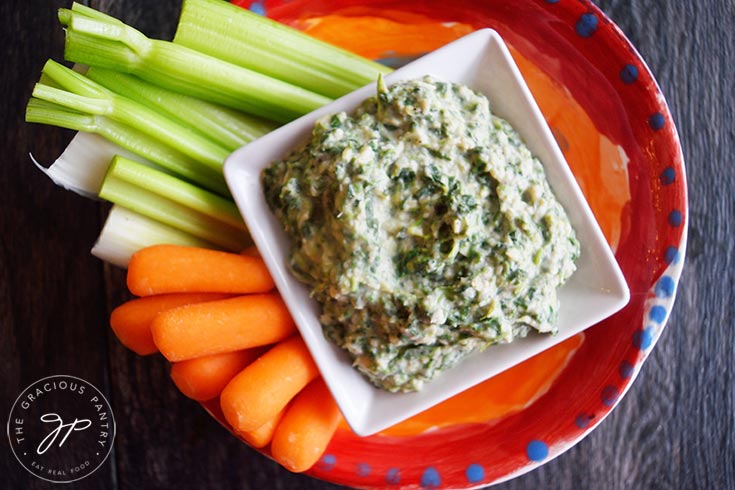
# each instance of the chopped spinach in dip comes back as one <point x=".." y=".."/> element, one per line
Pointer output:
<point x="425" y="228"/>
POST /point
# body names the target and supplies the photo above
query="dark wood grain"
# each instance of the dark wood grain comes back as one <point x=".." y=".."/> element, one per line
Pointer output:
<point x="52" y="293"/>
<point x="674" y="429"/>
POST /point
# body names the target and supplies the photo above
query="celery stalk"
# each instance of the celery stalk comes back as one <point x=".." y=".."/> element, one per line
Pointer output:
<point x="171" y="213"/>
<point x="41" y="111"/>
<point x="234" y="34"/>
<point x="125" y="232"/>
<point x="228" y="128"/>
<point x="108" y="43"/>
<point x="150" y="149"/>
<point x="84" y="95"/>
<point x="176" y="190"/>
<point x="82" y="165"/>
<point x="88" y="12"/>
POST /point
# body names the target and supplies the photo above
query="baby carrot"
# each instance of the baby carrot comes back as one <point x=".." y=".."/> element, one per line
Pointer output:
<point x="179" y="269"/>
<point x="306" y="428"/>
<point x="228" y="325"/>
<point x="205" y="377"/>
<point x="261" y="436"/>
<point x="251" y="251"/>
<point x="266" y="386"/>
<point x="131" y="321"/>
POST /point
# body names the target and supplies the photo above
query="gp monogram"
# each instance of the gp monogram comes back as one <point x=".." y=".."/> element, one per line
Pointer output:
<point x="61" y="428"/>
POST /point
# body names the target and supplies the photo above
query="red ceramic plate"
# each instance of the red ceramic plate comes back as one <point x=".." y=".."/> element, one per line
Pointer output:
<point x="617" y="134"/>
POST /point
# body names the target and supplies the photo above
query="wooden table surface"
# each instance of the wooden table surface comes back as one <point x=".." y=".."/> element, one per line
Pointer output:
<point x="674" y="429"/>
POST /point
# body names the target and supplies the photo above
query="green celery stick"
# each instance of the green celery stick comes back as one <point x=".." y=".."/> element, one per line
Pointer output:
<point x="172" y="214"/>
<point x="234" y="34"/>
<point x="176" y="190"/>
<point x="39" y="111"/>
<point x="228" y="128"/>
<point x="86" y="96"/>
<point x="108" y="43"/>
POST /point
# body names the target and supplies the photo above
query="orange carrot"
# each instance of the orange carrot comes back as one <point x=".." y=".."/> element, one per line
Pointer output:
<point x="251" y="252"/>
<point x="178" y="269"/>
<point x="266" y="386"/>
<point x="221" y="326"/>
<point x="306" y="428"/>
<point x="131" y="321"/>
<point x="261" y="436"/>
<point x="205" y="377"/>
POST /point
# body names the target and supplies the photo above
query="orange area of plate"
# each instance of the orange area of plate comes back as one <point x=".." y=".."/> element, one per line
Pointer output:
<point x="377" y="37"/>
<point x="600" y="167"/>
<point x="501" y="395"/>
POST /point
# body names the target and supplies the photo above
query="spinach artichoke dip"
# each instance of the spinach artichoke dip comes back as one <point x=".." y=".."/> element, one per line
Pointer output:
<point x="425" y="228"/>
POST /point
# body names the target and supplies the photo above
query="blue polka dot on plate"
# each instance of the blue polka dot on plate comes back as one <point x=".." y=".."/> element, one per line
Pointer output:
<point x="657" y="314"/>
<point x="430" y="478"/>
<point x="643" y="338"/>
<point x="393" y="476"/>
<point x="586" y="25"/>
<point x="625" y="370"/>
<point x="665" y="287"/>
<point x="609" y="395"/>
<point x="675" y="218"/>
<point x="327" y="462"/>
<point x="671" y="255"/>
<point x="656" y="121"/>
<point x="668" y="176"/>
<point x="257" y="7"/>
<point x="475" y="473"/>
<point x="629" y="74"/>
<point x="583" y="420"/>
<point x="363" y="469"/>
<point x="537" y="450"/>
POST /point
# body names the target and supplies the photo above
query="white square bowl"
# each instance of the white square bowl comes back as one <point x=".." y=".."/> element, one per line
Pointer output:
<point x="595" y="291"/>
